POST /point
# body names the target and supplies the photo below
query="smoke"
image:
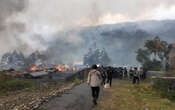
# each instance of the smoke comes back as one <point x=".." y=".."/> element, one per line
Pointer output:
<point x="70" y="13"/>
<point x="10" y="31"/>
<point x="50" y="25"/>
<point x="66" y="51"/>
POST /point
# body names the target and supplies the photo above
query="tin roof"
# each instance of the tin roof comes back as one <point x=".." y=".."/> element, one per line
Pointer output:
<point x="38" y="74"/>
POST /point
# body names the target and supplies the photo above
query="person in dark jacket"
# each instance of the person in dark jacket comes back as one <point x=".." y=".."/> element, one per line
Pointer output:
<point x="109" y="76"/>
<point x="103" y="75"/>
<point x="125" y="72"/>
<point x="144" y="73"/>
<point x="131" y="72"/>
<point x="136" y="76"/>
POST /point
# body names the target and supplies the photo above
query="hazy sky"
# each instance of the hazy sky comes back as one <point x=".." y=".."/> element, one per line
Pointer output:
<point x="68" y="13"/>
<point x="45" y="17"/>
<point x="27" y="23"/>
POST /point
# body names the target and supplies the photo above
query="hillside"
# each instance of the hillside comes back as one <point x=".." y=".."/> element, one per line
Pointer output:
<point x="120" y="40"/>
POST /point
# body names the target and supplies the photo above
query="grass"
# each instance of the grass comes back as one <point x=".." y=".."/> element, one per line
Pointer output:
<point x="170" y="73"/>
<point x="165" y="88"/>
<point x="8" y="84"/>
<point x="77" y="80"/>
<point x="134" y="97"/>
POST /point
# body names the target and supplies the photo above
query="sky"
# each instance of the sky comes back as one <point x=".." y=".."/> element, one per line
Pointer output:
<point x="89" y="12"/>
<point x="30" y="24"/>
<point x="69" y="13"/>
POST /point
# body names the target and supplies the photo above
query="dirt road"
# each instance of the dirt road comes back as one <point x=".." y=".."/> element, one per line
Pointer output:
<point x="79" y="98"/>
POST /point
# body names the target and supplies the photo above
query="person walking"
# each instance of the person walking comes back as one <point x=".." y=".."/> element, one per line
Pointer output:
<point x="94" y="81"/>
<point x="109" y="76"/>
<point x="136" y="76"/>
<point x="125" y="72"/>
<point x="103" y="74"/>
<point x="131" y="73"/>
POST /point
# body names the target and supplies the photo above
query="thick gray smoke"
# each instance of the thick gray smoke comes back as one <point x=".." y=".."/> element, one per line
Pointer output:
<point x="58" y="27"/>
<point x="10" y="31"/>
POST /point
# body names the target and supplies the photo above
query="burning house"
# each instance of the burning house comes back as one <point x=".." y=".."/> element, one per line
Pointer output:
<point x="36" y="61"/>
<point x="35" y="67"/>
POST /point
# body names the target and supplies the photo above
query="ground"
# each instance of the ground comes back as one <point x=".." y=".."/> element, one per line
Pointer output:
<point x="122" y="96"/>
<point x="79" y="98"/>
<point x="125" y="96"/>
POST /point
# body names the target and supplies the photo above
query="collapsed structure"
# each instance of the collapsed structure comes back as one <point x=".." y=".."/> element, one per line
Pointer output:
<point x="39" y="61"/>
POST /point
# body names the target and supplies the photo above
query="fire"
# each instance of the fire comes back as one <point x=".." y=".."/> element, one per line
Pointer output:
<point x="74" y="69"/>
<point x="61" y="68"/>
<point x="44" y="69"/>
<point x="33" y="68"/>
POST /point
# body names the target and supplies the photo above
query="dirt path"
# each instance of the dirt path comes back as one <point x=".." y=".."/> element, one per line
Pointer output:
<point x="79" y="98"/>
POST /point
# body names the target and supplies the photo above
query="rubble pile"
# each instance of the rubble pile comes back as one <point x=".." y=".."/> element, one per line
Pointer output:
<point x="32" y="100"/>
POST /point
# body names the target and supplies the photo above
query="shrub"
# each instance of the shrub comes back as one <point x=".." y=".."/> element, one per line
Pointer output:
<point x="164" y="88"/>
<point x="8" y="84"/>
<point x="153" y="65"/>
<point x="4" y="77"/>
<point x="77" y="80"/>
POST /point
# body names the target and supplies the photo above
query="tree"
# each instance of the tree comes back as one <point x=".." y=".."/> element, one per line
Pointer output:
<point x="96" y="56"/>
<point x="142" y="55"/>
<point x="155" y="51"/>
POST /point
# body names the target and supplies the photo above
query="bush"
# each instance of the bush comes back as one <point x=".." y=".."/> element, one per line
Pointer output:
<point x="164" y="88"/>
<point x="77" y="80"/>
<point x="153" y="65"/>
<point x="4" y="77"/>
<point x="14" y="85"/>
<point x="8" y="84"/>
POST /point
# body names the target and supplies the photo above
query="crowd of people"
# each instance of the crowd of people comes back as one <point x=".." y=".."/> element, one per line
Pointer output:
<point x="100" y="75"/>
<point x="133" y="73"/>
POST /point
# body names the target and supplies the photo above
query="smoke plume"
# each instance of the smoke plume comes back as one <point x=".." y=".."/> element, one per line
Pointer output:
<point x="62" y="28"/>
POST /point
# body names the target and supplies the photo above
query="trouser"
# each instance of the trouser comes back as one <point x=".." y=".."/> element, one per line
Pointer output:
<point x="110" y="81"/>
<point x="144" y="75"/>
<point x="104" y="80"/>
<point x="131" y="75"/>
<point x="136" y="79"/>
<point x="95" y="92"/>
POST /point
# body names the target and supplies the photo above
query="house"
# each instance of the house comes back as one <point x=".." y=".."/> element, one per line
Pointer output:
<point x="172" y="57"/>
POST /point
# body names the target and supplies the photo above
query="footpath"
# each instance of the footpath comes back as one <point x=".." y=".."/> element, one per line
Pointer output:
<point x="122" y="96"/>
<point x="79" y="98"/>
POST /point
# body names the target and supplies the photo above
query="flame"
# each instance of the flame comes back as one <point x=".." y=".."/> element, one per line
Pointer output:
<point x="61" y="68"/>
<point x="44" y="69"/>
<point x="74" y="69"/>
<point x="33" y="68"/>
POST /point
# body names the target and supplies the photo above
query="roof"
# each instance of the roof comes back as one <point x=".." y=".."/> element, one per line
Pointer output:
<point x="38" y="74"/>
<point x="17" y="73"/>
